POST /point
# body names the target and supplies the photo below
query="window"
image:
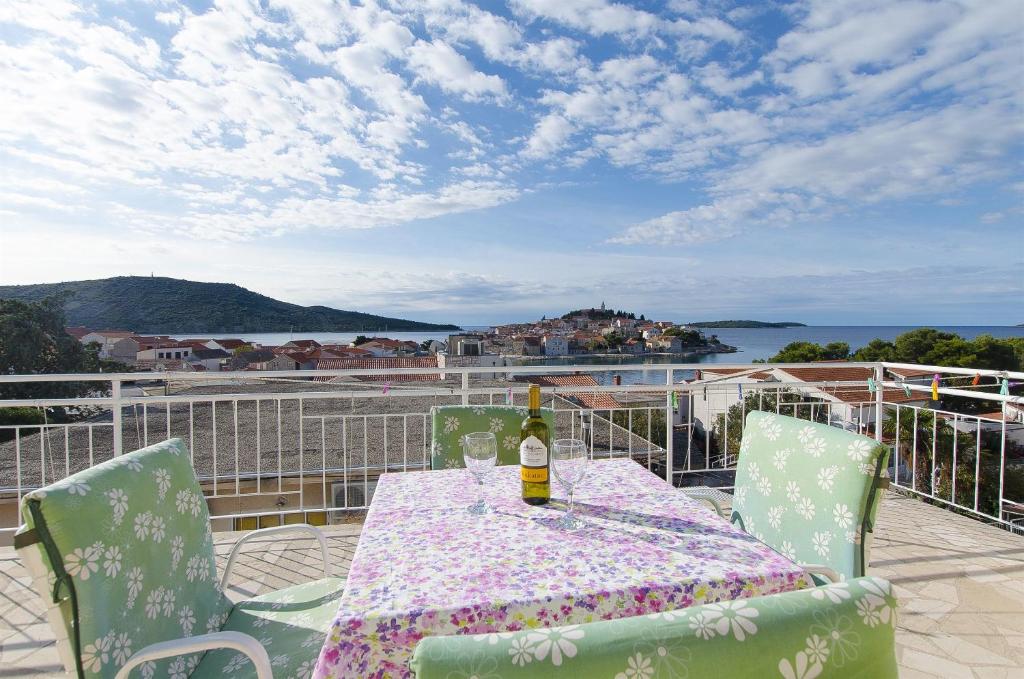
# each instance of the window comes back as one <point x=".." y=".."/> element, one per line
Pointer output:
<point x="177" y="354"/>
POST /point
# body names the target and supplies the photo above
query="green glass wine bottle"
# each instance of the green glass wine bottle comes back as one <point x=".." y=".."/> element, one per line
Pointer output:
<point x="534" y="439"/>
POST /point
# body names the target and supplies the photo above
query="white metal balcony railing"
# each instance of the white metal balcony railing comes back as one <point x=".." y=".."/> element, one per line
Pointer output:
<point x="280" y="445"/>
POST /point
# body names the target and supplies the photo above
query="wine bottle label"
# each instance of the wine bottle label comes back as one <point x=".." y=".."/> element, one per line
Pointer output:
<point x="533" y="474"/>
<point x="533" y="453"/>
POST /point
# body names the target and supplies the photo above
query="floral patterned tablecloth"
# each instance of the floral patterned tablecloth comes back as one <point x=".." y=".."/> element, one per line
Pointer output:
<point x="425" y="566"/>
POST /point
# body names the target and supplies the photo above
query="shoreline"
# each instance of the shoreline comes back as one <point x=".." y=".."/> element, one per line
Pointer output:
<point x="725" y="350"/>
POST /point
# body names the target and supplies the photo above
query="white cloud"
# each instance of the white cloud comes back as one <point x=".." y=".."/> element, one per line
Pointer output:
<point x="438" y="63"/>
<point x="549" y="136"/>
<point x="594" y="16"/>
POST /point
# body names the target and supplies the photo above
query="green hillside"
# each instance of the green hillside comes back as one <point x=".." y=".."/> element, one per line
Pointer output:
<point x="169" y="305"/>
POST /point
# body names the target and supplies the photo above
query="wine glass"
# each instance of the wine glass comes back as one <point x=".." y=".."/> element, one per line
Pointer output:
<point x="480" y="450"/>
<point x="569" y="464"/>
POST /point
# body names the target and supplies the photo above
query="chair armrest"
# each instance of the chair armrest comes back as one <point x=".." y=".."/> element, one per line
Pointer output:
<point x="203" y="642"/>
<point x="824" y="571"/>
<point x="303" y="527"/>
<point x="714" y="504"/>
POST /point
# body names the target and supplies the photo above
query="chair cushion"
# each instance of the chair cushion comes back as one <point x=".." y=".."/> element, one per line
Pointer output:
<point x="842" y="630"/>
<point x="805" y="488"/>
<point x="133" y="537"/>
<point x="451" y="423"/>
<point x="291" y="624"/>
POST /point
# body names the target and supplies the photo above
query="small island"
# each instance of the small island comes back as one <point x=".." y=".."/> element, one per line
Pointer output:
<point x="747" y="324"/>
<point x="599" y="331"/>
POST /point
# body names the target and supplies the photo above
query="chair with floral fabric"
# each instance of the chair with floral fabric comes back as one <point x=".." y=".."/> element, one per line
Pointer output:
<point x="122" y="554"/>
<point x="843" y="630"/>
<point x="809" y="490"/>
<point x="451" y="423"/>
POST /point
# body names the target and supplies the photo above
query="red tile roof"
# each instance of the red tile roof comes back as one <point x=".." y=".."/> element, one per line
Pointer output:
<point x="381" y="363"/>
<point x="594" y="401"/>
<point x="829" y="373"/>
<point x="77" y="331"/>
<point x="725" y="372"/>
<point x="338" y="351"/>
<point x="305" y="344"/>
<point x="849" y="393"/>
<point x="910" y="372"/>
<point x="112" y="333"/>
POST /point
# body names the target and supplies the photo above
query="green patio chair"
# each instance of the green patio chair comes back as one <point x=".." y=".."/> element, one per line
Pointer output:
<point x="810" y="491"/>
<point x="451" y="423"/>
<point x="844" y="630"/>
<point x="123" y="557"/>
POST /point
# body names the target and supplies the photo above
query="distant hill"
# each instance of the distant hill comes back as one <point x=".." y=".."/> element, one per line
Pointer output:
<point x="169" y="305"/>
<point x="747" y="324"/>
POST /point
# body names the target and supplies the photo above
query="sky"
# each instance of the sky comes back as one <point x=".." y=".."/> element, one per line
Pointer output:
<point x="835" y="163"/>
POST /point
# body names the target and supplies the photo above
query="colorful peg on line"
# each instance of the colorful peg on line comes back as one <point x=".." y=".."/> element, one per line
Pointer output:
<point x="675" y="401"/>
<point x="871" y="385"/>
<point x="508" y="396"/>
<point x="1005" y="389"/>
<point x="906" y="390"/>
<point x="740" y="389"/>
<point x="935" y="388"/>
<point x="387" y="387"/>
<point x="976" y="381"/>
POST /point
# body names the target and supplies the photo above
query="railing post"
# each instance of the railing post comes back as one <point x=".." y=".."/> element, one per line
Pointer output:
<point x="465" y="388"/>
<point x="669" y="429"/>
<point x="115" y="394"/>
<point x="879" y="376"/>
<point x="1002" y="463"/>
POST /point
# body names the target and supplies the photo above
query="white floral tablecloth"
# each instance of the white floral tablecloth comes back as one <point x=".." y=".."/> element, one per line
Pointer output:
<point x="425" y="566"/>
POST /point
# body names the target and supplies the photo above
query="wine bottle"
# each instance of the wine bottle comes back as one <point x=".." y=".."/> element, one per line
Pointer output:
<point x="534" y="461"/>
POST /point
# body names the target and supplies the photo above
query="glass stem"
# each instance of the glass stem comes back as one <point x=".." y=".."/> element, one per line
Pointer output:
<point x="571" y="493"/>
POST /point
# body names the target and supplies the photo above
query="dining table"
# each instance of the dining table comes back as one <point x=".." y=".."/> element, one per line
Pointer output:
<point x="424" y="565"/>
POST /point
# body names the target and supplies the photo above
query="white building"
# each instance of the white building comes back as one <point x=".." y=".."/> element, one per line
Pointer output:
<point x="179" y="352"/>
<point x="107" y="339"/>
<point x="482" y="361"/>
<point x="556" y="345"/>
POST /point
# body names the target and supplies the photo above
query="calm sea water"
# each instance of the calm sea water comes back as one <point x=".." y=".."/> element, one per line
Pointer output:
<point x="753" y="343"/>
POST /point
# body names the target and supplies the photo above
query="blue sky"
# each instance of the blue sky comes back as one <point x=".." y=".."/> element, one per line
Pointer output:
<point x="832" y="163"/>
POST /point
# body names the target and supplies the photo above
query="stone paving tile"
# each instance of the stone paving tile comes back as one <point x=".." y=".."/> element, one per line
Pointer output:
<point x="960" y="584"/>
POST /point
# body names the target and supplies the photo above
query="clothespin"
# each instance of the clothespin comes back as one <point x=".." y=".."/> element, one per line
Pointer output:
<point x="675" y="401"/>
<point x="935" y="387"/>
<point x="906" y="390"/>
<point x="740" y="387"/>
<point x="1005" y="389"/>
<point x="976" y="381"/>
<point x="871" y="385"/>
<point x="508" y="396"/>
<point x="387" y="388"/>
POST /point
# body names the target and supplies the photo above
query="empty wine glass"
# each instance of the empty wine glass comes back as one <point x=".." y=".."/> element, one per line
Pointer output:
<point x="480" y="450"/>
<point x="569" y="464"/>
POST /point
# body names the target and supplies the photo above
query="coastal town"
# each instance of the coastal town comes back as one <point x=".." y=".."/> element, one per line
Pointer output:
<point x="597" y="332"/>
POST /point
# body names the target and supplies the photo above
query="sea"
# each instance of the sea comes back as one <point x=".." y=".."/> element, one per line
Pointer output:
<point x="752" y="344"/>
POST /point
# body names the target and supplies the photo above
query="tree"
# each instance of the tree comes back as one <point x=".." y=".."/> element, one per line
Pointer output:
<point x="808" y="352"/>
<point x="876" y="350"/>
<point x="360" y="339"/>
<point x="728" y="427"/>
<point x="926" y="346"/>
<point x="924" y="453"/>
<point x="33" y="340"/>
<point x="243" y="349"/>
